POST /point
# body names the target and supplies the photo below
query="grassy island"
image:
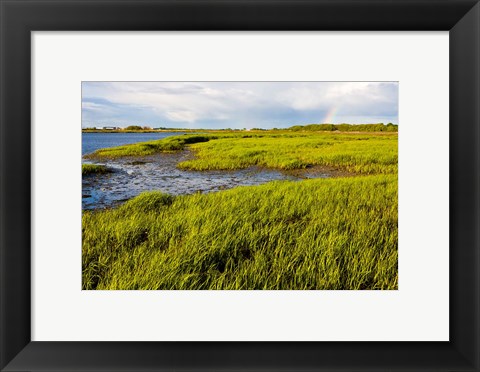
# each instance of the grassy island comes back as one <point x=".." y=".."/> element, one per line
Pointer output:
<point x="94" y="169"/>
<point x="334" y="233"/>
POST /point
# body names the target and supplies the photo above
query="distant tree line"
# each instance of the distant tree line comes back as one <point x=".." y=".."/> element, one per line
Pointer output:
<point x="137" y="127"/>
<point x="380" y="127"/>
<point x="129" y="128"/>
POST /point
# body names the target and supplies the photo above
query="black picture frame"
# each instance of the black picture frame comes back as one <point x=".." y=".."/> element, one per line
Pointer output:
<point x="18" y="18"/>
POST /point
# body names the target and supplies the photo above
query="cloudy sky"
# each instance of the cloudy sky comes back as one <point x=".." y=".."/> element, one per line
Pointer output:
<point x="237" y="104"/>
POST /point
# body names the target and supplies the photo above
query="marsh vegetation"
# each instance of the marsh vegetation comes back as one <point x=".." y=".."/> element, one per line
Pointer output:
<point x="334" y="233"/>
<point x="94" y="169"/>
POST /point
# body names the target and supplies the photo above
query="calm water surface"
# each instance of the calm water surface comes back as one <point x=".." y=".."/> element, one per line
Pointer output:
<point x="132" y="176"/>
<point x="95" y="141"/>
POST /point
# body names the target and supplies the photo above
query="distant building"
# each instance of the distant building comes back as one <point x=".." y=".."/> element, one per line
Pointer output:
<point x="110" y="128"/>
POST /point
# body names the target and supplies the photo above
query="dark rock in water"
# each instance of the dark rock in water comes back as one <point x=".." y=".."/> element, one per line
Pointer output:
<point x="137" y="162"/>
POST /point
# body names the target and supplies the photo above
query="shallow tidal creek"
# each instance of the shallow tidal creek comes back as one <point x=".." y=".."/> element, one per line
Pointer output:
<point x="131" y="176"/>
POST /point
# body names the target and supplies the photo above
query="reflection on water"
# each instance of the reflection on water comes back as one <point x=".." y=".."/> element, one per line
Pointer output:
<point x="159" y="172"/>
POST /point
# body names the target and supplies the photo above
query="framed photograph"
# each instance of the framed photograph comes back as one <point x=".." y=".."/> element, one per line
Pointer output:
<point x="239" y="185"/>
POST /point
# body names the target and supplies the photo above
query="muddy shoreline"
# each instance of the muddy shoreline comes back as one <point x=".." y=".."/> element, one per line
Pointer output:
<point x="133" y="175"/>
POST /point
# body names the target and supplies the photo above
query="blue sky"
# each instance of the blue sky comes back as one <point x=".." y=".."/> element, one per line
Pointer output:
<point x="237" y="104"/>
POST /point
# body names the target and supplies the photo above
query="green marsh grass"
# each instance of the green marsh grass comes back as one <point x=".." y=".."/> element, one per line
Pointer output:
<point x="324" y="234"/>
<point x="314" y="234"/>
<point x="366" y="153"/>
<point x="169" y="144"/>
<point x="94" y="169"/>
<point x="357" y="153"/>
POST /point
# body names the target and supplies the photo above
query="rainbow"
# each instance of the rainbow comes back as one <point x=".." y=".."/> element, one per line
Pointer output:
<point x="329" y="117"/>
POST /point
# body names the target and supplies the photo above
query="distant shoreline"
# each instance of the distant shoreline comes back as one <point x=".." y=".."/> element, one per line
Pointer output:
<point x="136" y="131"/>
<point x="339" y="128"/>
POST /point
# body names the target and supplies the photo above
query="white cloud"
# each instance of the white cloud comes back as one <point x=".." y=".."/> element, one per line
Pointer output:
<point x="93" y="106"/>
<point x="182" y="116"/>
<point x="192" y="102"/>
<point x="350" y="96"/>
